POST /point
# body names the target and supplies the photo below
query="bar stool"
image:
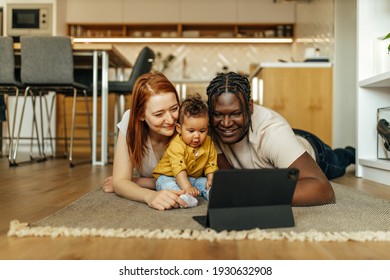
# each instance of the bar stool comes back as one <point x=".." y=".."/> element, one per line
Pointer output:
<point x="9" y="86"/>
<point x="143" y="64"/>
<point x="47" y="66"/>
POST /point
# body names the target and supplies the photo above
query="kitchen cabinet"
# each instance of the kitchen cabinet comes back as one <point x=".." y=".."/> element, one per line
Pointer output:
<point x="205" y="11"/>
<point x="302" y="93"/>
<point x="151" y="11"/>
<point x="373" y="88"/>
<point x="184" y="11"/>
<point x="266" y="11"/>
<point x="180" y="18"/>
<point x="101" y="11"/>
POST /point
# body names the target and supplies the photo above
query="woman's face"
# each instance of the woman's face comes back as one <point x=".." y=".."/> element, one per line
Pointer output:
<point x="161" y="113"/>
<point x="230" y="121"/>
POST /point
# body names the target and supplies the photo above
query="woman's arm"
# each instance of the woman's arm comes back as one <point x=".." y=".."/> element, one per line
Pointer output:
<point x="149" y="183"/>
<point x="145" y="182"/>
<point x="126" y="187"/>
<point x="313" y="188"/>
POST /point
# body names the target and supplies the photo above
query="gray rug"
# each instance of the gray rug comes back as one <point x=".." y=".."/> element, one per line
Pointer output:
<point x="355" y="216"/>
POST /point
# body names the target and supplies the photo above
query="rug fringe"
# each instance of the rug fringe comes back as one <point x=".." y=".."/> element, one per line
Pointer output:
<point x="18" y="229"/>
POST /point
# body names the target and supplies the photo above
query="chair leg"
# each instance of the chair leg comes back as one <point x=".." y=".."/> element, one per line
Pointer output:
<point x="15" y="148"/>
<point x="41" y="96"/>
<point x="41" y="152"/>
<point x="11" y="134"/>
<point x="85" y="95"/>
<point x="88" y="121"/>
<point x="65" y="127"/>
<point x="49" y="114"/>
<point x="72" y="128"/>
<point x="15" y="151"/>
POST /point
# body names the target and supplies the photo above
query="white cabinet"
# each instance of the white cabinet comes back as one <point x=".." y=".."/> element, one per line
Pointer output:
<point x="151" y="11"/>
<point x="183" y="11"/>
<point x="265" y="11"/>
<point x="373" y="89"/>
<point x="101" y="11"/>
<point x="206" y="11"/>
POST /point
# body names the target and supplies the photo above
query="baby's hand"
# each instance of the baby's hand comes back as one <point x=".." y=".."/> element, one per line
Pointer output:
<point x="208" y="184"/>
<point x="193" y="191"/>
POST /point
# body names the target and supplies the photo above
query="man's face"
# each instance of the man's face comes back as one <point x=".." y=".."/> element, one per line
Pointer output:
<point x="230" y="121"/>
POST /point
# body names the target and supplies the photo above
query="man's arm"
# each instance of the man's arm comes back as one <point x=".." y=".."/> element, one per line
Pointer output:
<point x="313" y="188"/>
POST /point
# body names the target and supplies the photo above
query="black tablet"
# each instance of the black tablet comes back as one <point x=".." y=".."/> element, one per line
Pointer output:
<point x="250" y="198"/>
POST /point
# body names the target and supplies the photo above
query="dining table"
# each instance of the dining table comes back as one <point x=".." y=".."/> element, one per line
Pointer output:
<point x="104" y="56"/>
<point x="99" y="58"/>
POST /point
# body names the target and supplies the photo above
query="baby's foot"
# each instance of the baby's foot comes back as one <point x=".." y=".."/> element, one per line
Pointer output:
<point x="190" y="200"/>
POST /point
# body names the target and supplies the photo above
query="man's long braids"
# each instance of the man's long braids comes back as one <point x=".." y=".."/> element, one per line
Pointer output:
<point x="229" y="83"/>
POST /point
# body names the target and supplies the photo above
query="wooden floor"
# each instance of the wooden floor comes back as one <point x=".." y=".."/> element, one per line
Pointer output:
<point x="32" y="191"/>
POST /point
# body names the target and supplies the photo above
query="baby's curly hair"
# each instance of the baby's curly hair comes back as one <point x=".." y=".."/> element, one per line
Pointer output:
<point x="193" y="106"/>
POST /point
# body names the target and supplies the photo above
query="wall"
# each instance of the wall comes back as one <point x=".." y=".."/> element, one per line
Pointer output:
<point x="315" y="28"/>
<point x="344" y="115"/>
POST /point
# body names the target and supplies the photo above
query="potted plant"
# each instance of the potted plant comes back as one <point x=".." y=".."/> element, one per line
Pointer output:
<point x="387" y="37"/>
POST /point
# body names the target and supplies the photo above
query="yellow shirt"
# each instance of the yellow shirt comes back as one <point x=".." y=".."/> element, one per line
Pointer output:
<point x="179" y="156"/>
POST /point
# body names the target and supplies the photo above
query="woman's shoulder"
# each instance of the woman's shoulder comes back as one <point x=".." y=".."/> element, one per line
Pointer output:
<point x="126" y="114"/>
<point x="122" y="125"/>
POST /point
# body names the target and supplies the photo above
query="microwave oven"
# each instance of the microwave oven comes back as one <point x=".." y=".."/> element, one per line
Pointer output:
<point x="29" y="19"/>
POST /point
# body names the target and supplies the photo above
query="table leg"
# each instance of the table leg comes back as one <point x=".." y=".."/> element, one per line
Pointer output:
<point x="94" y="106"/>
<point x="104" y="108"/>
<point x="104" y="130"/>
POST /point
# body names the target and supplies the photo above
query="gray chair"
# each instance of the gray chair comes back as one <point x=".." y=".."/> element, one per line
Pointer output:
<point x="142" y="65"/>
<point x="9" y="86"/>
<point x="47" y="66"/>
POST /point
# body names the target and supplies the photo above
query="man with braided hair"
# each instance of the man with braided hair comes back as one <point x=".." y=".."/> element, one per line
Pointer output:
<point x="251" y="136"/>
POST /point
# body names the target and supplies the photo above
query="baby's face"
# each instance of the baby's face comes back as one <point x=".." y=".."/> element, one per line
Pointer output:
<point x="194" y="130"/>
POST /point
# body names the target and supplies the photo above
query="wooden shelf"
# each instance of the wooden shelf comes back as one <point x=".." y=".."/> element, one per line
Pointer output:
<point x="181" y="30"/>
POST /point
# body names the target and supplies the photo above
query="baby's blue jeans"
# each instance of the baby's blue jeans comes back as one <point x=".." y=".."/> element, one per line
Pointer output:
<point x="169" y="183"/>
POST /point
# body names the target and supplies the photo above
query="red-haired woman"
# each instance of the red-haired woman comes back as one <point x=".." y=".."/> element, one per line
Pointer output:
<point x="145" y="131"/>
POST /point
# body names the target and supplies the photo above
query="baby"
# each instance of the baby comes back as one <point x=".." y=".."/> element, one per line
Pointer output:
<point x="190" y="160"/>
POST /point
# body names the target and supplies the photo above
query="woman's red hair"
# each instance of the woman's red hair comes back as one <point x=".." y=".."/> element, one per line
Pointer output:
<point x="145" y="86"/>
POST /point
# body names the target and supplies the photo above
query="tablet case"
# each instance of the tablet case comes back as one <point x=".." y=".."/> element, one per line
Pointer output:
<point x="250" y="198"/>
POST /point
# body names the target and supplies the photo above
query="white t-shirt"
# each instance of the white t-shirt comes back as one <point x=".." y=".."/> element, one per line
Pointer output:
<point x="271" y="144"/>
<point x="149" y="161"/>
